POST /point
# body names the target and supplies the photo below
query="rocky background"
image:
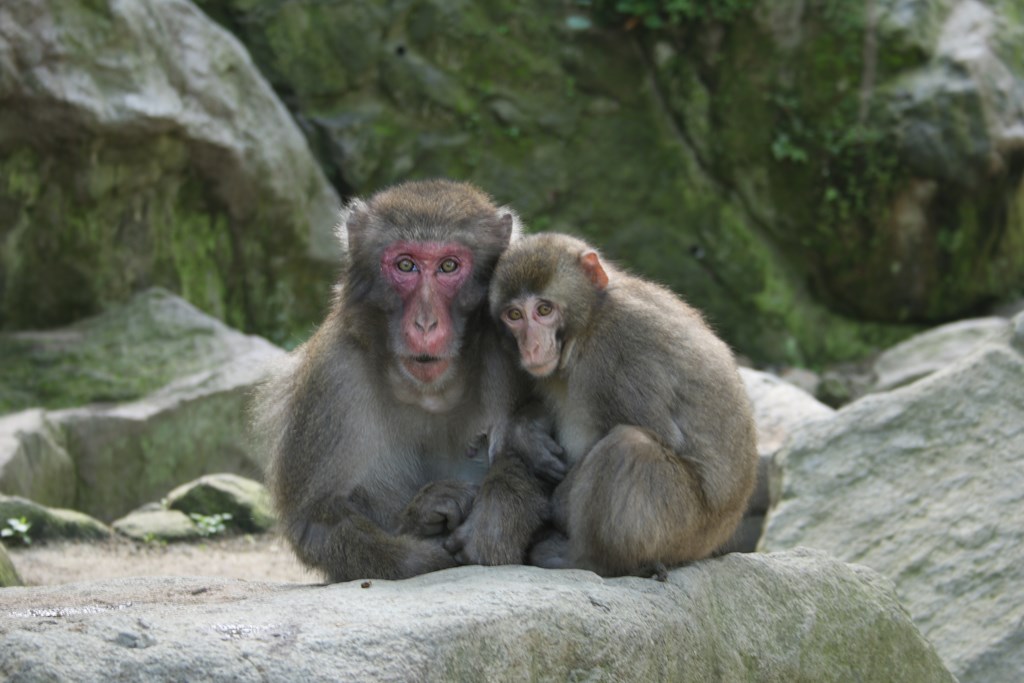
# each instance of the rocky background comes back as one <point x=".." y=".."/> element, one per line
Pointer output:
<point x="823" y="179"/>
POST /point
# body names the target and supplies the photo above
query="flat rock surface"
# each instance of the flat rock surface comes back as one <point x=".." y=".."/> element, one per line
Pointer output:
<point x="797" y="615"/>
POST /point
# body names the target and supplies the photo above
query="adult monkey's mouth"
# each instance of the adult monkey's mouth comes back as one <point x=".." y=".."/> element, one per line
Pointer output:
<point x="426" y="369"/>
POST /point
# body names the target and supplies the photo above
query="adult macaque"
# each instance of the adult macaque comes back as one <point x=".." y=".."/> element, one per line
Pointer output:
<point x="369" y="422"/>
<point x="646" y="401"/>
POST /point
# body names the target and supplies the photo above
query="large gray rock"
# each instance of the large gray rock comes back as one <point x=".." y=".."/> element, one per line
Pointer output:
<point x="33" y="460"/>
<point x="578" y="135"/>
<point x="139" y="145"/>
<point x="124" y="353"/>
<point x="933" y="350"/>
<point x="157" y="525"/>
<point x="127" y="454"/>
<point x="926" y="485"/>
<point x="779" y="407"/>
<point x="784" y="617"/>
<point x="764" y="156"/>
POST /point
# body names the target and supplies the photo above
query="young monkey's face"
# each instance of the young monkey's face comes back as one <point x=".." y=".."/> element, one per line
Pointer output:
<point x="535" y="323"/>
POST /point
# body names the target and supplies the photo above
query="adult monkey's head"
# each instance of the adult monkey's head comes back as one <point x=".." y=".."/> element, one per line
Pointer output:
<point x="419" y="257"/>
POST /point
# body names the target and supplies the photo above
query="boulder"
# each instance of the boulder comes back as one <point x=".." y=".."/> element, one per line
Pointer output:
<point x="877" y="145"/>
<point x="933" y="350"/>
<point x="799" y="171"/>
<point x="129" y="454"/>
<point x="801" y="378"/>
<point x="844" y="383"/>
<point x="157" y="525"/>
<point x="246" y="500"/>
<point x="903" y="363"/>
<point x="50" y="524"/>
<point x="779" y="407"/>
<point x="126" y="454"/>
<point x="788" y="616"/>
<point x="925" y="484"/>
<point x="124" y="353"/>
<point x="575" y="136"/>
<point x="33" y="460"/>
<point x="139" y="145"/>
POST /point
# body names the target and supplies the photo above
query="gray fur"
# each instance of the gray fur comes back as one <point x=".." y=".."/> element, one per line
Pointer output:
<point x="366" y="466"/>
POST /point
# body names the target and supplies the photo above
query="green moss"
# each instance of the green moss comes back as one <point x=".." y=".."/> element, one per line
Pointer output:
<point x="658" y="14"/>
<point x="1010" y="34"/>
<point x="113" y="218"/>
<point x="805" y="130"/>
<point x="762" y="195"/>
<point x="121" y="355"/>
<point x="19" y="173"/>
<point x="40" y="375"/>
<point x="780" y="317"/>
<point x="8" y="574"/>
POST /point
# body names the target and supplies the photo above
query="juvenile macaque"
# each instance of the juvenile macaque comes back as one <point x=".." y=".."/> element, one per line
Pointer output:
<point x="370" y="422"/>
<point x="645" y="400"/>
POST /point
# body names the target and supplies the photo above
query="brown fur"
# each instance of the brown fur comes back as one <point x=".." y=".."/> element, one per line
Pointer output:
<point x="649" y="406"/>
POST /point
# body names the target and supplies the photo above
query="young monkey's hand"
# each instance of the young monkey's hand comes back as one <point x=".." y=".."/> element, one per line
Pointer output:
<point x="527" y="436"/>
<point x="439" y="507"/>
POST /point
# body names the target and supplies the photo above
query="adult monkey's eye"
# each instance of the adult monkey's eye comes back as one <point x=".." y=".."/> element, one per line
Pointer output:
<point x="449" y="265"/>
<point x="405" y="265"/>
<point x="514" y="314"/>
<point x="544" y="308"/>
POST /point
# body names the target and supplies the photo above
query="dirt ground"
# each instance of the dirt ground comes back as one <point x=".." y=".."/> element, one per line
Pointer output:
<point x="263" y="557"/>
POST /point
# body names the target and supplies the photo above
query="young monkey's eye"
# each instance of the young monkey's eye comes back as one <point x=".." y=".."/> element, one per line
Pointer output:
<point x="544" y="309"/>
<point x="514" y="314"/>
<point x="405" y="265"/>
<point x="449" y="265"/>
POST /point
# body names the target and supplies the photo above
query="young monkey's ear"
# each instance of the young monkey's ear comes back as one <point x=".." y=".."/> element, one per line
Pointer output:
<point x="592" y="267"/>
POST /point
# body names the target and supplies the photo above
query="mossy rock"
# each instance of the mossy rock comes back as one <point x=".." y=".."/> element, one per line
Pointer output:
<point x="8" y="574"/>
<point x="246" y="500"/>
<point x="121" y="355"/>
<point x="728" y="156"/>
<point x="157" y="525"/>
<point x="112" y="187"/>
<point x="34" y="461"/>
<point x="48" y="524"/>
<point x="869" y="144"/>
<point x="106" y="458"/>
<point x="570" y="136"/>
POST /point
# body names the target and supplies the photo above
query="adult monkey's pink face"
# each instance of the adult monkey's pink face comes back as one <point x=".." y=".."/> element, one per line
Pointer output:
<point x="427" y="276"/>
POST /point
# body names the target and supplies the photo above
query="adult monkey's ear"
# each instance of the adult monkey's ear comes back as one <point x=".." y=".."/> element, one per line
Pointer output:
<point x="505" y="226"/>
<point x="352" y="225"/>
<point x="510" y="227"/>
<point x="591" y="264"/>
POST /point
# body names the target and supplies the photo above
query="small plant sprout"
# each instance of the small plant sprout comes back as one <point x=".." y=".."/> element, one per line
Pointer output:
<point x="210" y="525"/>
<point x="17" y="529"/>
